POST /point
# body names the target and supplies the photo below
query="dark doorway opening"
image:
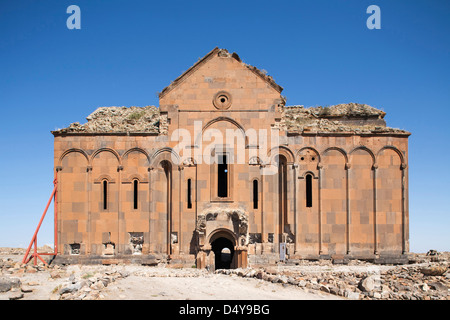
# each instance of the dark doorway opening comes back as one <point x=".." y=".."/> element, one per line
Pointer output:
<point x="224" y="252"/>
<point x="167" y="166"/>
<point x="282" y="195"/>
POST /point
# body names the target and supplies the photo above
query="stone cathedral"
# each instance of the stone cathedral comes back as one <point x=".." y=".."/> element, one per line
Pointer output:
<point x="224" y="175"/>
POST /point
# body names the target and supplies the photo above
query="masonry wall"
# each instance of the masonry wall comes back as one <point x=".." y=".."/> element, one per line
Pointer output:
<point x="359" y="197"/>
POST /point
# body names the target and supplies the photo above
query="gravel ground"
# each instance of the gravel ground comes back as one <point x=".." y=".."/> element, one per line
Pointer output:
<point x="135" y="282"/>
<point x="425" y="278"/>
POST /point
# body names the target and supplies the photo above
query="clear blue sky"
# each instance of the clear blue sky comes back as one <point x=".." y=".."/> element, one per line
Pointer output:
<point x="321" y="52"/>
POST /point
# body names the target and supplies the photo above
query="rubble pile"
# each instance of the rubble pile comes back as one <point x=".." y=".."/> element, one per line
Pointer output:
<point x="426" y="277"/>
<point x="428" y="280"/>
<point x="68" y="282"/>
<point x="12" y="251"/>
<point x="121" y="120"/>
<point x="295" y="119"/>
<point x="335" y="119"/>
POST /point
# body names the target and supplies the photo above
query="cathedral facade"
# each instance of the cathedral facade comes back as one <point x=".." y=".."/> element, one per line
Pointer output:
<point x="223" y="174"/>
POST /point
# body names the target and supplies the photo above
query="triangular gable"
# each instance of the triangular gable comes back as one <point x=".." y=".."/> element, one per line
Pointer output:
<point x="208" y="56"/>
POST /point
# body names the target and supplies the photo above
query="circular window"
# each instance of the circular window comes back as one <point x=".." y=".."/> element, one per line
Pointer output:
<point x="222" y="100"/>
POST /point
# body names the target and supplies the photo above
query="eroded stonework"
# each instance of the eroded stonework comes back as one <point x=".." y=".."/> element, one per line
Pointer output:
<point x="334" y="185"/>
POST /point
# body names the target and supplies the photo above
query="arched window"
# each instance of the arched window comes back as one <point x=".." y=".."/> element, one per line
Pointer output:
<point x="308" y="191"/>
<point x="255" y="194"/>
<point x="135" y="193"/>
<point x="189" y="193"/>
<point x="105" y="194"/>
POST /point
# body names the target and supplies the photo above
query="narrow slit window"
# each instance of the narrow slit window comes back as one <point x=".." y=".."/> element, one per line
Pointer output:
<point x="105" y="194"/>
<point x="222" y="181"/>
<point x="255" y="194"/>
<point x="308" y="191"/>
<point x="135" y="194"/>
<point x="189" y="193"/>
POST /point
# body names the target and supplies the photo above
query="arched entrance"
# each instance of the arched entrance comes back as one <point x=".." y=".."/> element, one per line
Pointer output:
<point x="224" y="253"/>
<point x="222" y="234"/>
<point x="223" y="245"/>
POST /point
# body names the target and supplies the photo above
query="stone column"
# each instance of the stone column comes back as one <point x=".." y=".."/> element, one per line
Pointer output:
<point x="180" y="209"/>
<point x="120" y="216"/>
<point x="294" y="200"/>
<point x="319" y="168"/>
<point x="347" y="187"/>
<point x="375" y="227"/>
<point x="242" y="257"/>
<point x="263" y="236"/>
<point x="58" y="201"/>
<point x="404" y="209"/>
<point x="89" y="192"/>
<point x="150" y="209"/>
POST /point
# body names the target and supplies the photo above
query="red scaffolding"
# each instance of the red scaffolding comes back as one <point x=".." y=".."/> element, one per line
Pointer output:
<point x="36" y="255"/>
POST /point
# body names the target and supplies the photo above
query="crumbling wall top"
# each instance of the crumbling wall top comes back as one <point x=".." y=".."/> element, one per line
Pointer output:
<point x="120" y="120"/>
<point x="346" y="117"/>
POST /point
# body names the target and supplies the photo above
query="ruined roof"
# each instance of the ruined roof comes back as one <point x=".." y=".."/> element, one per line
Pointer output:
<point x="348" y="109"/>
<point x="342" y="118"/>
<point x="221" y="53"/>
<point x="120" y="120"/>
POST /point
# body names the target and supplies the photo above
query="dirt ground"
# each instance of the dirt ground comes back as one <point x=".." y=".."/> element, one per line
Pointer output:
<point x="209" y="287"/>
<point x="424" y="278"/>
<point x="149" y="283"/>
<point x="153" y="283"/>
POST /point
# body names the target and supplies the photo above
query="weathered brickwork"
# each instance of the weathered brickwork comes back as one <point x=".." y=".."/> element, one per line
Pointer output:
<point x="338" y="188"/>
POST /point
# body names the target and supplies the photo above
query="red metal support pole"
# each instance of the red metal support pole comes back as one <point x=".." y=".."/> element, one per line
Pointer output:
<point x="55" y="211"/>
<point x="35" y="251"/>
<point x="35" y="254"/>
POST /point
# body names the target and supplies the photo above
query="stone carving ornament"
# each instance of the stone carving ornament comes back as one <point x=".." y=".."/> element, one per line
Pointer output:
<point x="235" y="215"/>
